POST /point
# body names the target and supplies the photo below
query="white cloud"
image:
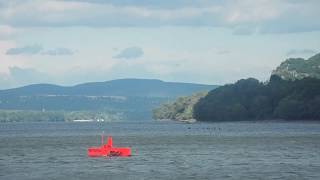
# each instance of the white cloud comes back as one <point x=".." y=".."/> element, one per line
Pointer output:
<point x="25" y="50"/>
<point x="58" y="52"/>
<point x="22" y="76"/>
<point x="253" y="11"/>
<point x="130" y="53"/>
<point x="6" y="32"/>
<point x="7" y="61"/>
<point x="268" y="16"/>
<point x="172" y="52"/>
<point x="301" y="52"/>
<point x="37" y="49"/>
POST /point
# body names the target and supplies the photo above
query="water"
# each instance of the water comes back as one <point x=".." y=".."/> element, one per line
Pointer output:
<point x="162" y="150"/>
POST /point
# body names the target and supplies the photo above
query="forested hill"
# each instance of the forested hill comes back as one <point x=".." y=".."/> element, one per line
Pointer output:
<point x="180" y="110"/>
<point x="299" y="68"/>
<point x="249" y="99"/>
<point x="292" y="93"/>
<point x="125" y="99"/>
<point x="121" y="87"/>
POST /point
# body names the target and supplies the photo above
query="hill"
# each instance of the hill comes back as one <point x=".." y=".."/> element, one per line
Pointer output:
<point x="249" y="99"/>
<point x="293" y="93"/>
<point x="299" y="68"/>
<point x="181" y="109"/>
<point x="121" y="87"/>
<point x="125" y="99"/>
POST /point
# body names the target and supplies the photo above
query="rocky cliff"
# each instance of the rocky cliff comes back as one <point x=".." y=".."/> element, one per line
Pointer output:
<point x="299" y="68"/>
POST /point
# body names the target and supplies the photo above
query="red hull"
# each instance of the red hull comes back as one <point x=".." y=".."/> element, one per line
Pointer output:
<point x="108" y="150"/>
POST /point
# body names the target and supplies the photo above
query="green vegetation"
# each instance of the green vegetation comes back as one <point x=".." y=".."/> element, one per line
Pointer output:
<point x="80" y="107"/>
<point x="250" y="99"/>
<point x="181" y="109"/>
<point x="133" y="99"/>
<point x="29" y="116"/>
<point x="298" y="68"/>
<point x="56" y="116"/>
<point x="293" y="93"/>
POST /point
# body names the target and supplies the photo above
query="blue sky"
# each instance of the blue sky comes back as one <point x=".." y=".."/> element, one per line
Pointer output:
<point x="206" y="41"/>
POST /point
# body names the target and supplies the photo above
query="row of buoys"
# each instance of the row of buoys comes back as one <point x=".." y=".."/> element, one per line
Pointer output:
<point x="208" y="128"/>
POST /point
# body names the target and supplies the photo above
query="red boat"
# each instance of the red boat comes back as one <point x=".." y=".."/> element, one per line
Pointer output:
<point x="108" y="150"/>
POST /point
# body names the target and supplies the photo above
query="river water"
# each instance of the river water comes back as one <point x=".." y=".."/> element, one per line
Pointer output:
<point x="162" y="150"/>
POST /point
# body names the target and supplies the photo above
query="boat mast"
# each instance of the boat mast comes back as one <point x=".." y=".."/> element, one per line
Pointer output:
<point x="102" y="141"/>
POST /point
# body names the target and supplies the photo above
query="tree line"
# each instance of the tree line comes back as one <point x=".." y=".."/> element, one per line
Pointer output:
<point x="181" y="109"/>
<point x="249" y="99"/>
<point x="57" y="116"/>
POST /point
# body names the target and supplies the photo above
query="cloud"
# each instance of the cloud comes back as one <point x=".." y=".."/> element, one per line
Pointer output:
<point x="37" y="49"/>
<point x="242" y="16"/>
<point x="4" y="80"/>
<point x="273" y="16"/>
<point x="298" y="52"/>
<point x="19" y="76"/>
<point x="25" y="74"/>
<point x="130" y="53"/>
<point x="69" y="13"/>
<point x="25" y="50"/>
<point x="244" y="30"/>
<point x="58" y="52"/>
<point x="223" y="52"/>
<point x="152" y="4"/>
<point x="6" y="32"/>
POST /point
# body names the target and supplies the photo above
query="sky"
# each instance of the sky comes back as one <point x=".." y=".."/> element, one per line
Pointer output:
<point x="68" y="42"/>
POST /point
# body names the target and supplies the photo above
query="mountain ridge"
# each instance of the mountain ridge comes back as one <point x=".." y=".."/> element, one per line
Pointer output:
<point x="118" y="87"/>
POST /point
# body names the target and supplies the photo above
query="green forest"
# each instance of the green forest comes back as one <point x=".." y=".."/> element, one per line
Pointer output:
<point x="292" y="93"/>
<point x="181" y="109"/>
<point x="250" y="99"/>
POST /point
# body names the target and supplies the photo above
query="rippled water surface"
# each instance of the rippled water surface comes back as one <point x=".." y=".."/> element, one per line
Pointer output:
<point x="162" y="150"/>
